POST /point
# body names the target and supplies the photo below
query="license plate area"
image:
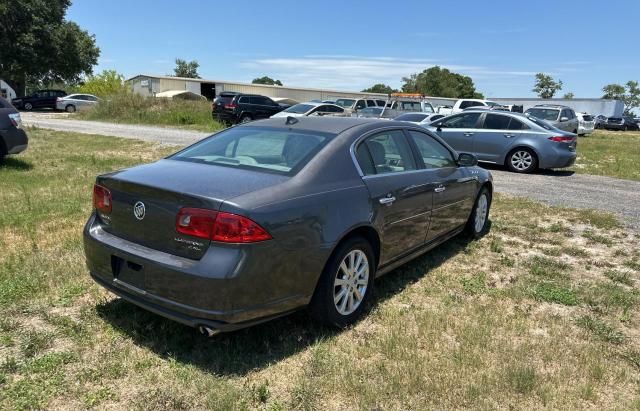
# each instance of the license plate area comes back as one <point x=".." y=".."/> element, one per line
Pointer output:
<point x="127" y="271"/>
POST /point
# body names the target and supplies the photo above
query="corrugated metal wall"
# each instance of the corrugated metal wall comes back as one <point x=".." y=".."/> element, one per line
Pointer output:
<point x="609" y="108"/>
<point x="296" y="94"/>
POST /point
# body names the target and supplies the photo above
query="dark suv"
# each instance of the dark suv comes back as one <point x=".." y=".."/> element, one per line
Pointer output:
<point x="13" y="139"/>
<point x="39" y="99"/>
<point x="235" y="108"/>
<point x="623" y="123"/>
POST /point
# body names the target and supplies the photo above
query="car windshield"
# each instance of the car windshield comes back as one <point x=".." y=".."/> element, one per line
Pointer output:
<point x="345" y="102"/>
<point x="299" y="108"/>
<point x="416" y="117"/>
<point x="548" y="114"/>
<point x="541" y="123"/>
<point x="281" y="151"/>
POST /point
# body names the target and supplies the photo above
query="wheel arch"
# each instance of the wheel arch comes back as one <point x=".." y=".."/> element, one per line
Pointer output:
<point x="367" y="232"/>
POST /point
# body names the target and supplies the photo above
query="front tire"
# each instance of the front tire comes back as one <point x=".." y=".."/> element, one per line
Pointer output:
<point x="522" y="160"/>
<point x="478" y="223"/>
<point x="346" y="284"/>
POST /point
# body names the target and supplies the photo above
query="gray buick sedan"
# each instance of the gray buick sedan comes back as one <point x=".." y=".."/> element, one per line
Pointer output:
<point x="262" y="219"/>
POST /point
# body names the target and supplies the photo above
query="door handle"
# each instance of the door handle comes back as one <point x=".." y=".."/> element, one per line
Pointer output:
<point x="387" y="200"/>
<point x="468" y="134"/>
<point x="439" y="189"/>
<point x="509" y="135"/>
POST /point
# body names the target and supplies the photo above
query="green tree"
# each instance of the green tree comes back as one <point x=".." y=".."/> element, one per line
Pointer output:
<point x="546" y="86"/>
<point x="568" y="95"/>
<point x="440" y="82"/>
<point x="629" y="94"/>
<point x="107" y="83"/>
<point x="188" y="69"/>
<point x="266" y="80"/>
<point x="380" y="88"/>
<point x="38" y="44"/>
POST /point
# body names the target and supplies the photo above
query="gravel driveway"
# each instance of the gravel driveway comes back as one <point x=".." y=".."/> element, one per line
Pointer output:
<point x="621" y="197"/>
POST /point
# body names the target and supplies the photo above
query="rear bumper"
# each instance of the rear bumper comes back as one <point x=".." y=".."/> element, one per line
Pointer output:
<point x="613" y="126"/>
<point x="227" y="289"/>
<point x="585" y="129"/>
<point x="15" y="140"/>
<point x="560" y="159"/>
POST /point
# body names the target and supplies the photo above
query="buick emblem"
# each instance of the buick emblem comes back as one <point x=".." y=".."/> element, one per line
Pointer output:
<point x="139" y="210"/>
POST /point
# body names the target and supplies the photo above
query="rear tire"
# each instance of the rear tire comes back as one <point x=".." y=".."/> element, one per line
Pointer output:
<point x="70" y="108"/>
<point x="522" y="160"/>
<point x="28" y="106"/>
<point x="478" y="223"/>
<point x="245" y="119"/>
<point x="345" y="287"/>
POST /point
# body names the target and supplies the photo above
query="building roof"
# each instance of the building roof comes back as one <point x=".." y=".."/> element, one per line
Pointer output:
<point x="201" y="80"/>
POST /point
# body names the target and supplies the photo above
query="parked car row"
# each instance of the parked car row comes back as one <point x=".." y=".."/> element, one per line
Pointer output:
<point x="56" y="100"/>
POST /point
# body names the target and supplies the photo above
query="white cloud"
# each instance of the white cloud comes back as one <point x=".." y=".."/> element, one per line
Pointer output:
<point x="351" y="72"/>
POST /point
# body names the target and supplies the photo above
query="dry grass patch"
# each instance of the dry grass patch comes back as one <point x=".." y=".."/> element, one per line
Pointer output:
<point x="535" y="314"/>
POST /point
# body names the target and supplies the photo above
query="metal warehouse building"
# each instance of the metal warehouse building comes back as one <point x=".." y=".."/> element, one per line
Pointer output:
<point x="149" y="85"/>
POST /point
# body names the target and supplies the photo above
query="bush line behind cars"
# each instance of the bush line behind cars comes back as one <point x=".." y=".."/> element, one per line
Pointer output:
<point x="265" y="218"/>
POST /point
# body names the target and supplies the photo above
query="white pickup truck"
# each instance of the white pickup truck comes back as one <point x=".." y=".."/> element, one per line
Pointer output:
<point x="461" y="104"/>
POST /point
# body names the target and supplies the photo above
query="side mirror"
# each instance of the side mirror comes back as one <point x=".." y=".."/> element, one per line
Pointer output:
<point x="467" y="160"/>
<point x="563" y="119"/>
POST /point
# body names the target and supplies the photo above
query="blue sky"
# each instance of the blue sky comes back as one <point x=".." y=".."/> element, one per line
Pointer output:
<point x="350" y="45"/>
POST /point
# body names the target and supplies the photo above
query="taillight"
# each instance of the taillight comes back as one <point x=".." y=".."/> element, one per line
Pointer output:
<point x="219" y="226"/>
<point x="230" y="106"/>
<point x="101" y="199"/>
<point x="562" y="139"/>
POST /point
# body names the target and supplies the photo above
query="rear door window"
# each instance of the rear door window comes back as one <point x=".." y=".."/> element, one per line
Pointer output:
<point x="386" y="152"/>
<point x="381" y="103"/>
<point x="434" y="154"/>
<point x="516" y="124"/>
<point x="371" y="103"/>
<point x="467" y="120"/>
<point x="496" y="122"/>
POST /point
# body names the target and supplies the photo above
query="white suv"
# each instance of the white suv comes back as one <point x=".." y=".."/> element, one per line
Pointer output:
<point x="586" y="123"/>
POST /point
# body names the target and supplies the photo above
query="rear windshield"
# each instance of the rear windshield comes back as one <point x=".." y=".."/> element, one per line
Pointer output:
<point x="224" y="99"/>
<point x="345" y="102"/>
<point x="544" y="113"/>
<point x="411" y="117"/>
<point x="281" y="151"/>
<point x="299" y="108"/>
<point x="541" y="123"/>
<point x="587" y="117"/>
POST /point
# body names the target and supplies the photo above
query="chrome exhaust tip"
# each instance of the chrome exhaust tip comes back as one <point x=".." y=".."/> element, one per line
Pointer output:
<point x="208" y="331"/>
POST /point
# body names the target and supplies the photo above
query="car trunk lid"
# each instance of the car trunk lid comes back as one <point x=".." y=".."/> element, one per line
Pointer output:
<point x="146" y="200"/>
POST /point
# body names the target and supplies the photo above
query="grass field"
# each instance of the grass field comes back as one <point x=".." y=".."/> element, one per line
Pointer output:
<point x="610" y="153"/>
<point x="542" y="312"/>
<point x="135" y="109"/>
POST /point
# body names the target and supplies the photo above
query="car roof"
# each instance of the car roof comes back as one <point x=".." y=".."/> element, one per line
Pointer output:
<point x="507" y="113"/>
<point x="326" y="124"/>
<point x="550" y="106"/>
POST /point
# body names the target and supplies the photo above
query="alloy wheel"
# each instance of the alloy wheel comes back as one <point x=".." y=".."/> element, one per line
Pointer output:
<point x="521" y="160"/>
<point x="481" y="213"/>
<point x="351" y="281"/>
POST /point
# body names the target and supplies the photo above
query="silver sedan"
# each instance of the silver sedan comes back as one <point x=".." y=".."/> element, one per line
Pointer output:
<point x="521" y="143"/>
<point x="75" y="102"/>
